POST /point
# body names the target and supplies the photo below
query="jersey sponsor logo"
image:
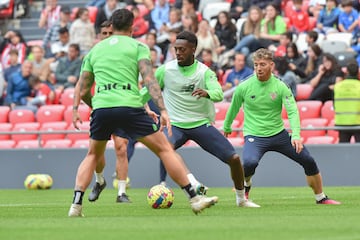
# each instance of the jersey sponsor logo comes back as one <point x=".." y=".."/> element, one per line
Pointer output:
<point x="188" y="88"/>
<point x="273" y="96"/>
<point x="113" y="41"/>
<point x="113" y="86"/>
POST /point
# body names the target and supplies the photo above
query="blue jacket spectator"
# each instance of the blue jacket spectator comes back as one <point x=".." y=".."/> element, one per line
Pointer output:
<point x="160" y="14"/>
<point x="328" y="18"/>
<point x="348" y="18"/>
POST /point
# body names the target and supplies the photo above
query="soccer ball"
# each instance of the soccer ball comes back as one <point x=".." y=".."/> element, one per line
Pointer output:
<point x="38" y="181"/>
<point x="160" y="196"/>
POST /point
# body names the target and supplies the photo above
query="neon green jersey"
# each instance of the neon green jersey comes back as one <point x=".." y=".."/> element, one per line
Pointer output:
<point x="114" y="63"/>
<point x="262" y="102"/>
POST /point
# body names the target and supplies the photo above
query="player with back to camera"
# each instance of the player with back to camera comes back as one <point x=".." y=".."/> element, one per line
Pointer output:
<point x="262" y="96"/>
<point x="190" y="89"/>
<point x="117" y="104"/>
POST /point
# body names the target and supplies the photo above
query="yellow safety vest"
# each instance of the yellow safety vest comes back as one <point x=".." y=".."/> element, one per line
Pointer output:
<point x="347" y="102"/>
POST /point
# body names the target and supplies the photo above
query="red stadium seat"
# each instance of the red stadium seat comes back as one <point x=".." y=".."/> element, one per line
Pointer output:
<point x="327" y="110"/>
<point x="313" y="123"/>
<point x="5" y="127"/>
<point x="309" y="109"/>
<point x="5" y="144"/>
<point x="333" y="133"/>
<point x="58" y="143"/>
<point x="320" y="140"/>
<point x="21" y="116"/>
<point x="23" y="128"/>
<point x="303" y="91"/>
<point x="220" y="123"/>
<point x="50" y="113"/>
<point x="82" y="143"/>
<point x="28" y="144"/>
<point x="236" y="142"/>
<point x="92" y="13"/>
<point x="67" y="97"/>
<point x="4" y="114"/>
<point x="224" y="76"/>
<point x="83" y="110"/>
<point x="221" y="109"/>
<point x="51" y="127"/>
<point x="85" y="126"/>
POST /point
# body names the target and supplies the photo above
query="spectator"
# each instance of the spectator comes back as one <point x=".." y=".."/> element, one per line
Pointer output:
<point x="262" y="4"/>
<point x="296" y="61"/>
<point x="150" y="41"/>
<point x="310" y="38"/>
<point x="140" y="26"/>
<point x="348" y="18"/>
<point x="82" y="31"/>
<point x="154" y="56"/>
<point x="174" y="22"/>
<point x="239" y="8"/>
<point x="299" y="19"/>
<point x="328" y="18"/>
<point x="250" y="32"/>
<point x="2" y="85"/>
<point x="52" y="33"/>
<point x="190" y="22"/>
<point x="50" y="14"/>
<point x="313" y="61"/>
<point x="14" y="66"/>
<point x="272" y="26"/>
<point x="239" y="72"/>
<point x="347" y="103"/>
<point x="285" y="74"/>
<point x="12" y="40"/>
<point x="60" y="48"/>
<point x="188" y="7"/>
<point x="206" y="58"/>
<point x="41" y="67"/>
<point x="42" y="93"/>
<point x="315" y="7"/>
<point x="328" y="74"/>
<point x="206" y="40"/>
<point x="160" y="14"/>
<point x="104" y="13"/>
<point x="96" y="3"/>
<point x="68" y="69"/>
<point x="285" y="39"/>
<point x="18" y="88"/>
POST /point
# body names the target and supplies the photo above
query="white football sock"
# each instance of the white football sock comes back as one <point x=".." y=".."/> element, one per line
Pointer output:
<point x="99" y="177"/>
<point x="240" y="195"/>
<point x="121" y="187"/>
<point x="192" y="180"/>
<point x="320" y="196"/>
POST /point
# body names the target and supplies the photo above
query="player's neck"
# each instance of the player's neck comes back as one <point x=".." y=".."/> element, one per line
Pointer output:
<point x="123" y="33"/>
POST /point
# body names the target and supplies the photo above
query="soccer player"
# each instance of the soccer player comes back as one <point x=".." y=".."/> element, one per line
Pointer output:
<point x="190" y="89"/>
<point x="114" y="64"/>
<point x="262" y="96"/>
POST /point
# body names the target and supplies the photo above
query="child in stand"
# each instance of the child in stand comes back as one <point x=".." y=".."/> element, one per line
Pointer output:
<point x="43" y="94"/>
<point x="140" y="26"/>
<point x="299" y="19"/>
<point x="285" y="39"/>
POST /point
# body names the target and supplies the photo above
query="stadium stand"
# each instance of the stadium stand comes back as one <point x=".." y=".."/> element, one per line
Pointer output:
<point x="5" y="127"/>
<point x="4" y="114"/>
<point x="81" y="143"/>
<point x="309" y="109"/>
<point x="313" y="123"/>
<point x="320" y="140"/>
<point x="58" y="143"/>
<point x="221" y="109"/>
<point x="5" y="144"/>
<point x="76" y="136"/>
<point x="303" y="91"/>
<point x="51" y="127"/>
<point x="21" y="116"/>
<point x="83" y="110"/>
<point x="28" y="144"/>
<point x="327" y="110"/>
<point x="50" y="113"/>
<point x="25" y="127"/>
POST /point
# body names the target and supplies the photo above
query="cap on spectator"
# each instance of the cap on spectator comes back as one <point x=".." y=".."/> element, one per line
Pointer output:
<point x="65" y="9"/>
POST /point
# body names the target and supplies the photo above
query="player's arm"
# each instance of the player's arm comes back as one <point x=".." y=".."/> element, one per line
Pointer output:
<point x="76" y="116"/>
<point x="233" y="110"/>
<point x="213" y="87"/>
<point x="85" y="87"/>
<point x="289" y="102"/>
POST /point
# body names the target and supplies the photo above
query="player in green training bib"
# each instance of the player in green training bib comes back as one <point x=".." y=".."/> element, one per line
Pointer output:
<point x="263" y="96"/>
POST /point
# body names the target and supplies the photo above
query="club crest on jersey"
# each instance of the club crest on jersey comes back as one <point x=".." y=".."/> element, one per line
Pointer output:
<point x="273" y="96"/>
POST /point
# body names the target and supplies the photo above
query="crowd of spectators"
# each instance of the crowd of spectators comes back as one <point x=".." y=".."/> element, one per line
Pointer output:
<point x="224" y="45"/>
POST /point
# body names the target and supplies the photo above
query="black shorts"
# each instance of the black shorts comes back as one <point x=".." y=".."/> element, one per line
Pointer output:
<point x="134" y="122"/>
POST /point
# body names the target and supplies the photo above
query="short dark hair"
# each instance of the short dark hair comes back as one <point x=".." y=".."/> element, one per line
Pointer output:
<point x="352" y="67"/>
<point x="288" y="35"/>
<point x="122" y="19"/>
<point x="75" y="46"/>
<point x="63" y="30"/>
<point x="14" y="51"/>
<point x="346" y="3"/>
<point x="188" y="36"/>
<point x="313" y="34"/>
<point x="105" y="23"/>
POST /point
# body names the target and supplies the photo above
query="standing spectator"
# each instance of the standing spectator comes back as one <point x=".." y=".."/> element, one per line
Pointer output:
<point x="347" y="103"/>
<point x="52" y="33"/>
<point x="41" y="67"/>
<point x="104" y="13"/>
<point x="12" y="40"/>
<point x="14" y="64"/>
<point x="328" y="18"/>
<point x="160" y="14"/>
<point x="82" y="31"/>
<point x="206" y="40"/>
<point x="50" y="14"/>
<point x="239" y="72"/>
<point x="298" y="19"/>
<point x="328" y="74"/>
<point x="140" y="26"/>
<point x="18" y="88"/>
<point x="348" y="18"/>
<point x="68" y="70"/>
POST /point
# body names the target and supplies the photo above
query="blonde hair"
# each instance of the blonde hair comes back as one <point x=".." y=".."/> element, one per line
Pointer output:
<point x="263" y="54"/>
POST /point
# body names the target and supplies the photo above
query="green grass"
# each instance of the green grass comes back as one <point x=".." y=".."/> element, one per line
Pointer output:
<point x="285" y="213"/>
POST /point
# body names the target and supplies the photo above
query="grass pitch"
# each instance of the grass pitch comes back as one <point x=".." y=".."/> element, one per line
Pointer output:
<point x="285" y="213"/>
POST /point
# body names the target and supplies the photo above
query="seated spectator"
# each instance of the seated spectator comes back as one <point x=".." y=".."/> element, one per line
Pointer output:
<point x="295" y="60"/>
<point x="18" y="87"/>
<point x="299" y="19"/>
<point x="52" y="34"/>
<point x="206" y="40"/>
<point x="12" y="40"/>
<point x="239" y="72"/>
<point x="174" y="22"/>
<point x="327" y="75"/>
<point x="313" y="61"/>
<point x="188" y="7"/>
<point x="14" y="64"/>
<point x="262" y="4"/>
<point x="150" y="41"/>
<point x="104" y="12"/>
<point x="239" y="8"/>
<point x="96" y="3"/>
<point x="170" y="51"/>
<point x="42" y="93"/>
<point x="311" y="37"/>
<point x="41" y="66"/>
<point x="315" y="7"/>
<point x="190" y="22"/>
<point x="68" y="69"/>
<point x="285" y="39"/>
<point x="272" y="26"/>
<point x="60" y="48"/>
<point x="82" y="31"/>
<point x="50" y="14"/>
<point x="207" y="59"/>
<point x="154" y="56"/>
<point x="285" y="74"/>
<point x="328" y="18"/>
<point x="348" y="18"/>
<point x="160" y="14"/>
<point x="140" y="26"/>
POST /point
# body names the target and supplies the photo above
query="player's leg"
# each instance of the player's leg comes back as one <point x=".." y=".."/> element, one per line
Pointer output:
<point x="158" y="143"/>
<point x="212" y="141"/>
<point x="282" y="144"/>
<point x="100" y="182"/>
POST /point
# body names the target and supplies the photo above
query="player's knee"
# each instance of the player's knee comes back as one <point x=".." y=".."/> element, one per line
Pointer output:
<point x="249" y="165"/>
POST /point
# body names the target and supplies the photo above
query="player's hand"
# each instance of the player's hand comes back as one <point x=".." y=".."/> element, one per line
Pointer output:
<point x="199" y="93"/>
<point x="165" y="122"/>
<point x="76" y="118"/>
<point x="297" y="144"/>
<point x="226" y="134"/>
<point x="153" y="115"/>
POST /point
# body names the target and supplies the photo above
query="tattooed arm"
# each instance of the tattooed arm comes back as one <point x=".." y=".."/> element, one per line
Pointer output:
<point x="85" y="87"/>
